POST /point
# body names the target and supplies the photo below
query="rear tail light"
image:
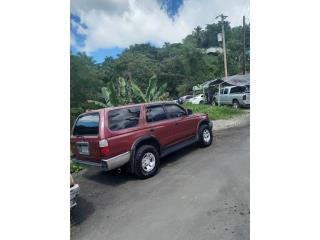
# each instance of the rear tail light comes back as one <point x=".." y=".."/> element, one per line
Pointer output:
<point x="244" y="97"/>
<point x="104" y="146"/>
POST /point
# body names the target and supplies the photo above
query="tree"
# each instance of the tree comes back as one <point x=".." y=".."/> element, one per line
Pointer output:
<point x="177" y="66"/>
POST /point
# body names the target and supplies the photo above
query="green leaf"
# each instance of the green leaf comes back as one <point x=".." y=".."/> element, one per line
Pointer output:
<point x="100" y="104"/>
<point x="137" y="92"/>
<point x="122" y="88"/>
<point x="152" y="88"/>
<point x="160" y="92"/>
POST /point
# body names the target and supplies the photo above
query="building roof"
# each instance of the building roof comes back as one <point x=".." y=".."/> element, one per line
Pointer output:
<point x="235" y="80"/>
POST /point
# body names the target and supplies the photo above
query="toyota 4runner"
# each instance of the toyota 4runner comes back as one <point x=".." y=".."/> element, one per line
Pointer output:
<point x="136" y="136"/>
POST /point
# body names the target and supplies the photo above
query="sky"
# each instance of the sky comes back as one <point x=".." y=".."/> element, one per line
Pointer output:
<point x="106" y="27"/>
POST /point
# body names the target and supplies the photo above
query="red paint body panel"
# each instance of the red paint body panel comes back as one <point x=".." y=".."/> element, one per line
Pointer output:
<point x="168" y="132"/>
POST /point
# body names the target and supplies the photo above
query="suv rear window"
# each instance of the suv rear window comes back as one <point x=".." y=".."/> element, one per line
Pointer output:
<point x="123" y="118"/>
<point x="155" y="113"/>
<point x="87" y="125"/>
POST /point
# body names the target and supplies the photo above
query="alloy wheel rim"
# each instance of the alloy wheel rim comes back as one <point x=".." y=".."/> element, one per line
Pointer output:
<point x="148" y="162"/>
<point x="206" y="135"/>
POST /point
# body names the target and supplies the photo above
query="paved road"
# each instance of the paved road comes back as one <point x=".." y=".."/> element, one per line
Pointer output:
<point x="198" y="194"/>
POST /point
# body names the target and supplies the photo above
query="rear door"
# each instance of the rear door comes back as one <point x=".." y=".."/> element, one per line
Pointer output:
<point x="123" y="128"/>
<point x="85" y="137"/>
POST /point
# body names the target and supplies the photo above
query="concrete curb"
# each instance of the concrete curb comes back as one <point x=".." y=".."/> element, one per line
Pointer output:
<point x="238" y="121"/>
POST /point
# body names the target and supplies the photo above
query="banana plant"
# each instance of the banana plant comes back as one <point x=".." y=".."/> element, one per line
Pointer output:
<point x="113" y="95"/>
<point x="153" y="93"/>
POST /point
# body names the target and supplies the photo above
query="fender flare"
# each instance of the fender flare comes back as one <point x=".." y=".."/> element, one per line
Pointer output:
<point x="134" y="148"/>
<point x="206" y="121"/>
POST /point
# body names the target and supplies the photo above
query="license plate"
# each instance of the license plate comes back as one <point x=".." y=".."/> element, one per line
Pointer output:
<point x="83" y="148"/>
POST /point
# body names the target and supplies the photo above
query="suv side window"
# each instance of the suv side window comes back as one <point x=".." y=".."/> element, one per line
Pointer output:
<point x="155" y="113"/>
<point x="175" y="111"/>
<point x="87" y="125"/>
<point x="123" y="118"/>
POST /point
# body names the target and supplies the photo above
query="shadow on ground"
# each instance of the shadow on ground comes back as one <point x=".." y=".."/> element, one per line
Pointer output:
<point x="111" y="178"/>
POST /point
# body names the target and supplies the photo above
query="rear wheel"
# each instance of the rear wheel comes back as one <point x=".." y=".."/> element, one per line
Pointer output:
<point x="214" y="103"/>
<point x="235" y="104"/>
<point x="205" y="135"/>
<point x="146" y="162"/>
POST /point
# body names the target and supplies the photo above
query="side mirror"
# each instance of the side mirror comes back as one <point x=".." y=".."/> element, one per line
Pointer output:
<point x="189" y="111"/>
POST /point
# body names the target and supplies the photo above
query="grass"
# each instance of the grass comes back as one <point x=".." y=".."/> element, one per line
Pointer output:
<point x="214" y="112"/>
<point x="74" y="167"/>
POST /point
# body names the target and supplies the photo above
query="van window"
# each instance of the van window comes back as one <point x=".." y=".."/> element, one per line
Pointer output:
<point x="87" y="125"/>
<point x="123" y="118"/>
<point x="155" y="113"/>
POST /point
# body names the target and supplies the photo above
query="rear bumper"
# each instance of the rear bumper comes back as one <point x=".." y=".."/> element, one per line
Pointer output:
<point x="108" y="164"/>
<point x="74" y="192"/>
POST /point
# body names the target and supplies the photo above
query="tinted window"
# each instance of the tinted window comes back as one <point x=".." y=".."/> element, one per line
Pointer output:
<point x="123" y="118"/>
<point x="175" y="111"/>
<point x="238" y="90"/>
<point x="87" y="125"/>
<point x="155" y="113"/>
<point x="225" y="91"/>
<point x="188" y="97"/>
<point x="221" y="91"/>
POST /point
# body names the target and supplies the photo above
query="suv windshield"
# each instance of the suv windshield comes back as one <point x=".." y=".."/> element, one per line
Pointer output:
<point x="87" y="125"/>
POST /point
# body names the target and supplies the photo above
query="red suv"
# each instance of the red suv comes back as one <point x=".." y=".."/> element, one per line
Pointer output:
<point x="137" y="136"/>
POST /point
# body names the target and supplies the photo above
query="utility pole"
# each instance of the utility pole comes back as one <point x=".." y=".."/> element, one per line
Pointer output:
<point x="244" y="46"/>
<point x="224" y="51"/>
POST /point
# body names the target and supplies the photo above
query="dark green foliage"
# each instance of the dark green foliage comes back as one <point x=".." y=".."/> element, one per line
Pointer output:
<point x="178" y="67"/>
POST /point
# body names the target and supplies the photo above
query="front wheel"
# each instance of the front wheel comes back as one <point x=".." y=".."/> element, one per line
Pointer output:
<point x="146" y="162"/>
<point x="205" y="136"/>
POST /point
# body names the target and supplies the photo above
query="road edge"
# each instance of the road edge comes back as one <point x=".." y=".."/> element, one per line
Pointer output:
<point x="238" y="121"/>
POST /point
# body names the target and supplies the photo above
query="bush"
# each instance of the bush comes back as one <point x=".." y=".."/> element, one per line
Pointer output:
<point x="74" y="167"/>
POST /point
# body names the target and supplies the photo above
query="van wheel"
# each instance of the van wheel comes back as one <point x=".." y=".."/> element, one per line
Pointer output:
<point x="235" y="104"/>
<point x="205" y="135"/>
<point x="146" y="162"/>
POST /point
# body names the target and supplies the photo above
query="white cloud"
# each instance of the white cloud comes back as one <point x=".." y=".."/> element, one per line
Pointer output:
<point x="120" y="23"/>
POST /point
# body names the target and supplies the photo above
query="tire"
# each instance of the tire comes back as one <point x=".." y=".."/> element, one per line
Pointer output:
<point x="146" y="162"/>
<point x="205" y="136"/>
<point x="214" y="103"/>
<point x="235" y="104"/>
